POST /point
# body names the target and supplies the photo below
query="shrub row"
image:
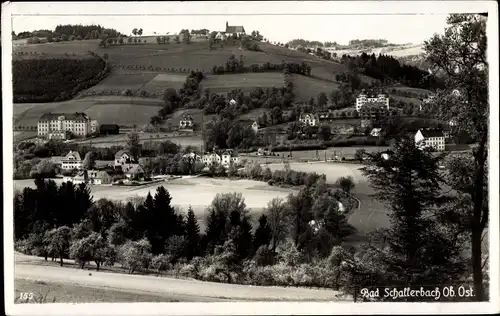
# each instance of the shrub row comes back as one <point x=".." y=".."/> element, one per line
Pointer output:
<point x="142" y="67"/>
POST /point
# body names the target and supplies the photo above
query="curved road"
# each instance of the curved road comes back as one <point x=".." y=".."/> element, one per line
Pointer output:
<point x="29" y="267"/>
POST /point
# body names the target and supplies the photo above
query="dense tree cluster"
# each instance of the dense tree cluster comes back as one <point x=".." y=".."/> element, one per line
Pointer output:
<point x="72" y="32"/>
<point x="238" y="66"/>
<point x="150" y="235"/>
<point x="47" y="80"/>
<point x="388" y="69"/>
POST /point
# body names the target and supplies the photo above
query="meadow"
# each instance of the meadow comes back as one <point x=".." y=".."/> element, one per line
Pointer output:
<point x="121" y="139"/>
<point x="105" y="109"/>
<point x="245" y="81"/>
<point x="306" y="88"/>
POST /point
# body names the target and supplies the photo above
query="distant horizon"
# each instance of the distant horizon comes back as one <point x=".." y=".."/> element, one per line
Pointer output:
<point x="398" y="23"/>
<point x="360" y="31"/>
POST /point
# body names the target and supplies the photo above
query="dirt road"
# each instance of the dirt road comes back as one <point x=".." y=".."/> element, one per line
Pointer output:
<point x="28" y="267"/>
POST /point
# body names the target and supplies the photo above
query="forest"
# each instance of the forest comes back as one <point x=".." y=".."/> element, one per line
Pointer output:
<point x="388" y="69"/>
<point x="48" y="80"/>
<point x="77" y="30"/>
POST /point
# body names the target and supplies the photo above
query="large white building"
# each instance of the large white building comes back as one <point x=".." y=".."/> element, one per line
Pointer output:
<point x="58" y="125"/>
<point x="224" y="158"/>
<point x="364" y="98"/>
<point x="430" y="138"/>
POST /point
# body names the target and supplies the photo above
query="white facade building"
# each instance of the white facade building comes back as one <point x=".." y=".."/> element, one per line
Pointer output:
<point x="309" y="119"/>
<point x="57" y="125"/>
<point x="430" y="138"/>
<point x="211" y="158"/>
<point x="71" y="161"/>
<point x="364" y="98"/>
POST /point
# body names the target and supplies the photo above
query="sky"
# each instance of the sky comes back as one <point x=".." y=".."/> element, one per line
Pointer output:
<point x="398" y="22"/>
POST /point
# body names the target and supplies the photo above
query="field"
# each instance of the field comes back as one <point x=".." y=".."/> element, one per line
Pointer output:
<point x="257" y="194"/>
<point x="121" y="139"/>
<point x="69" y="293"/>
<point x="106" y="109"/>
<point x="121" y="80"/>
<point x="306" y="88"/>
<point x="246" y="81"/>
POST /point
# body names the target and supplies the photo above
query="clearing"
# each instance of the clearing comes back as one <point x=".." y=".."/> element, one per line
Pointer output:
<point x="306" y="88"/>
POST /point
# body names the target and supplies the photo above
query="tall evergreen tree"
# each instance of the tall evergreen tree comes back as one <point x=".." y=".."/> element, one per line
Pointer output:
<point x="263" y="233"/>
<point x="416" y="250"/>
<point x="192" y="234"/>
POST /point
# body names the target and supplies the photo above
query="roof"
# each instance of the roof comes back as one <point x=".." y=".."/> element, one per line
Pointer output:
<point x="77" y="116"/>
<point x="187" y="118"/>
<point x="235" y="29"/>
<point x="373" y="94"/>
<point x="310" y="114"/>
<point x="74" y="154"/>
<point x="432" y="133"/>
<point x="121" y="152"/>
<point x="135" y="169"/>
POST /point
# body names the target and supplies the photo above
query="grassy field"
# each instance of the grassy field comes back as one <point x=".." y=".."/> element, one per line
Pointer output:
<point x="121" y="139"/>
<point x="306" y="88"/>
<point x="121" y="80"/>
<point x="50" y="292"/>
<point x="132" y="110"/>
<point x="246" y="81"/>
<point x="163" y="81"/>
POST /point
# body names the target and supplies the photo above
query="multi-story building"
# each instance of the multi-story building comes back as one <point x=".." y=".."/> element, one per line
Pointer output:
<point x="71" y="161"/>
<point x="211" y="158"/>
<point x="229" y="157"/>
<point x="364" y="98"/>
<point x="309" y="119"/>
<point x="59" y="125"/>
<point x="433" y="138"/>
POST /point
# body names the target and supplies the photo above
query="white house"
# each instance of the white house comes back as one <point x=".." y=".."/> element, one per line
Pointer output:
<point x="193" y="156"/>
<point x="94" y="126"/>
<point x="220" y="36"/>
<point x="229" y="157"/>
<point x="186" y="122"/>
<point x="364" y="98"/>
<point x="430" y="138"/>
<point x="309" y="119"/>
<point x="123" y="157"/>
<point x="255" y="127"/>
<point x="71" y="161"/>
<point x="211" y="158"/>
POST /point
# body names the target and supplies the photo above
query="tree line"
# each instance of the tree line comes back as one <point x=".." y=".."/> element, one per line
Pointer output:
<point x="75" y="31"/>
<point x="388" y="69"/>
<point x="238" y="66"/>
<point x="151" y="235"/>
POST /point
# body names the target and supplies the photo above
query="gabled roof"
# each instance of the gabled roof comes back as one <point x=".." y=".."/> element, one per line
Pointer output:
<point x="432" y="133"/>
<point x="235" y="29"/>
<point x="77" y="116"/>
<point x="302" y="115"/>
<point x="135" y="169"/>
<point x="121" y="152"/>
<point x="74" y="154"/>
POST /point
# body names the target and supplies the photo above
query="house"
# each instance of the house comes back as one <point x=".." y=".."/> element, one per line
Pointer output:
<point x="238" y="30"/>
<point x="309" y="119"/>
<point x="373" y="110"/>
<point x="186" y="122"/>
<point x="134" y="171"/>
<point x="193" y="157"/>
<point x="220" y="36"/>
<point x="100" y="176"/>
<point x="111" y="129"/>
<point x="79" y="178"/>
<point x="376" y="132"/>
<point x="255" y="126"/>
<point x="364" y="98"/>
<point x="229" y="157"/>
<point x="71" y="161"/>
<point x="211" y="158"/>
<point x="433" y="138"/>
<point x="124" y="157"/>
<point x="59" y="125"/>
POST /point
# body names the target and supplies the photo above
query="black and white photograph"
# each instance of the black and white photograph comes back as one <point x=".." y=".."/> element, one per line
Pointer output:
<point x="281" y="157"/>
